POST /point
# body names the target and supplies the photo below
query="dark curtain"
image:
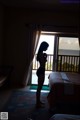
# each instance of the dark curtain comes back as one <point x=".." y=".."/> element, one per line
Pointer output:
<point x="33" y="34"/>
<point x="79" y="54"/>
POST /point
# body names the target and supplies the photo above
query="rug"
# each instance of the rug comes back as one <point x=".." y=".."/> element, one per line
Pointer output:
<point x="34" y="87"/>
<point x="21" y="106"/>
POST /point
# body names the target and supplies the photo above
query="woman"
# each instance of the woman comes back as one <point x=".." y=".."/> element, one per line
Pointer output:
<point x="41" y="58"/>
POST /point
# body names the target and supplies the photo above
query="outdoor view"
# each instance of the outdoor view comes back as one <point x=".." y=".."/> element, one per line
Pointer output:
<point x="50" y="50"/>
<point x="67" y="46"/>
<point x="70" y="48"/>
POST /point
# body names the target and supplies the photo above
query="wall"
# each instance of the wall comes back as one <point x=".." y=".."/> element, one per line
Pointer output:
<point x="16" y="35"/>
<point x="15" y="45"/>
<point x="1" y="32"/>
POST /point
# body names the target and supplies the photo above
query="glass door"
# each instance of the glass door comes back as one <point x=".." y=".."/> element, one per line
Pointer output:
<point x="68" y="54"/>
<point x="48" y="37"/>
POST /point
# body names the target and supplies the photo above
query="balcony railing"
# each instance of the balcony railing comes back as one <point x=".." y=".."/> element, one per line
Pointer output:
<point x="67" y="63"/>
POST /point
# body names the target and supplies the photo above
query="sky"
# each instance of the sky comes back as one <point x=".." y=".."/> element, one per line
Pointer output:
<point x="64" y="43"/>
<point x="49" y="40"/>
<point x="69" y="43"/>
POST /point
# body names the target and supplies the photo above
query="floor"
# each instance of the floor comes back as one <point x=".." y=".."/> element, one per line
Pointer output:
<point x="6" y="92"/>
<point x="4" y="95"/>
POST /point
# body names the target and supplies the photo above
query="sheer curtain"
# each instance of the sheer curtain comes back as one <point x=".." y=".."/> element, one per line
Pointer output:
<point x="32" y="42"/>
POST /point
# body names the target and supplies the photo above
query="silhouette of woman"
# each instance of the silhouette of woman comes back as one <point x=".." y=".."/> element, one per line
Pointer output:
<point x="41" y="58"/>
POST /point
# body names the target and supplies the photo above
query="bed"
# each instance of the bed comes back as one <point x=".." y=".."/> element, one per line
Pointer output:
<point x="64" y="88"/>
<point x="65" y="117"/>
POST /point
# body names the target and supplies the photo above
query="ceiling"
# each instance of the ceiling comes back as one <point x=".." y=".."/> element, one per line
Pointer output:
<point x="72" y="5"/>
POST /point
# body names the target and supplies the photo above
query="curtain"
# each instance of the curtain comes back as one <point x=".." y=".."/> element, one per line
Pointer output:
<point x="79" y="53"/>
<point x="33" y="35"/>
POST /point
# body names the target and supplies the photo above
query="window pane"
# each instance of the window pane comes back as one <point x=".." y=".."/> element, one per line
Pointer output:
<point x="68" y="46"/>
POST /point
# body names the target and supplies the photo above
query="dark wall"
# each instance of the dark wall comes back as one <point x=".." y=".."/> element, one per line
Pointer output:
<point x="1" y="31"/>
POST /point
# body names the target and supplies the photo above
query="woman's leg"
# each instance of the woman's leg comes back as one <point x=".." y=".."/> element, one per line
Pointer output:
<point x="40" y="84"/>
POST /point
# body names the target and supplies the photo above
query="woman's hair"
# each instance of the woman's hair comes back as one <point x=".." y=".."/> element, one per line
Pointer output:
<point x="43" y="47"/>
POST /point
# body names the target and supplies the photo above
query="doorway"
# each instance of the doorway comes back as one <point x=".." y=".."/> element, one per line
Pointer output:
<point x="49" y="38"/>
